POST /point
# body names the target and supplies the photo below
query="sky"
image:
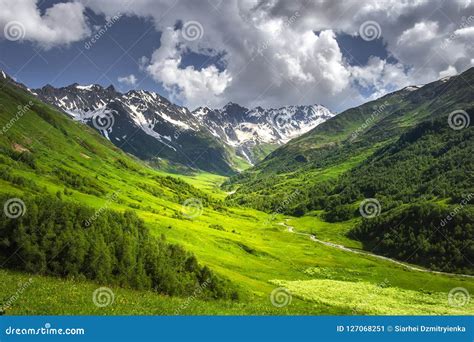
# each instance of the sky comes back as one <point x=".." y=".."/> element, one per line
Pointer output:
<point x="252" y="52"/>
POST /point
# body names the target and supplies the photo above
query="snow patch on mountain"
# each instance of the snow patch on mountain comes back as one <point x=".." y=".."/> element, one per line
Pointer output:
<point x="233" y="126"/>
<point x="244" y="129"/>
<point x="87" y="87"/>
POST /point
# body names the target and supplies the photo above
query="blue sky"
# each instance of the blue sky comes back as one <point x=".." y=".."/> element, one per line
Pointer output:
<point x="118" y="52"/>
<point x="114" y="55"/>
<point x="254" y="53"/>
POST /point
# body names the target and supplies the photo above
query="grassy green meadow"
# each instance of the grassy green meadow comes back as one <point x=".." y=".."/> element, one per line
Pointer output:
<point x="44" y="152"/>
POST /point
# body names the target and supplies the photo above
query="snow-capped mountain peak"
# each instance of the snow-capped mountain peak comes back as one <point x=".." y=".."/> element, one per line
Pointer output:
<point x="153" y="120"/>
<point x="244" y="129"/>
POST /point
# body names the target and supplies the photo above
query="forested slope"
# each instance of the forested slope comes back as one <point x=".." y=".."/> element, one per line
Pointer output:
<point x="414" y="148"/>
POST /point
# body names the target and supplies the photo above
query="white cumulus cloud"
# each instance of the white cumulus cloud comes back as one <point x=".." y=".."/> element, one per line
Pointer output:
<point x="279" y="52"/>
<point x="130" y="80"/>
<point x="189" y="84"/>
<point x="61" y="24"/>
<point x="419" y="33"/>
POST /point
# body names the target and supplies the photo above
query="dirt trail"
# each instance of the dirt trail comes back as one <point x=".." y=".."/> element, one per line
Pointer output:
<point x="312" y="237"/>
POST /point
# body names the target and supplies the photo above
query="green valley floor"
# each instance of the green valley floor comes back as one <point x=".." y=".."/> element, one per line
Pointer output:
<point x="278" y="272"/>
<point x="274" y="271"/>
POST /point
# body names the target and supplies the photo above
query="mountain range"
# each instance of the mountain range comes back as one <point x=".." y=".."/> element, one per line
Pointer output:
<point x="152" y="128"/>
<point x="405" y="157"/>
<point x="393" y="176"/>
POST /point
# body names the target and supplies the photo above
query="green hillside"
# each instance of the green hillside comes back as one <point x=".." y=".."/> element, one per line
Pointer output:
<point x="399" y="150"/>
<point x="168" y="244"/>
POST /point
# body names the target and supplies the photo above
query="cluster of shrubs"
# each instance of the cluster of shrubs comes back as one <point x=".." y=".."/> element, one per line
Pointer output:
<point x="426" y="234"/>
<point x="52" y="238"/>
